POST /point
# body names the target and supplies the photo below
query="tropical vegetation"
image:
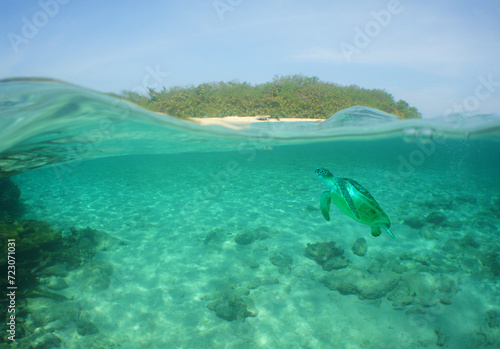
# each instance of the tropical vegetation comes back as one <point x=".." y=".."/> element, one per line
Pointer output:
<point x="289" y="96"/>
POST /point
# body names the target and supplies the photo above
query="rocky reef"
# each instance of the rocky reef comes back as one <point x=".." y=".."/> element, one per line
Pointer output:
<point x="411" y="283"/>
<point x="489" y="332"/>
<point x="50" y="271"/>
<point x="363" y="284"/>
<point x="327" y="255"/>
<point x="231" y="303"/>
<point x="10" y="204"/>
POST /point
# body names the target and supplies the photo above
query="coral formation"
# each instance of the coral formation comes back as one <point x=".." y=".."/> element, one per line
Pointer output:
<point x="364" y="285"/>
<point x="281" y="259"/>
<point x="327" y="255"/>
<point x="45" y="261"/>
<point x="244" y="238"/>
<point x="436" y="217"/>
<point x="85" y="328"/>
<point x="10" y="205"/>
<point x="232" y="303"/>
<point x="489" y="332"/>
<point x="232" y="308"/>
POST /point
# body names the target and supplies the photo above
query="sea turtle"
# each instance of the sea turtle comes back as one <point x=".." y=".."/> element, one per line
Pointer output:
<point x="354" y="200"/>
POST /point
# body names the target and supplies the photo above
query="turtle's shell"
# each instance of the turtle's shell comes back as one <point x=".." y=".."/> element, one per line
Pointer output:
<point x="368" y="210"/>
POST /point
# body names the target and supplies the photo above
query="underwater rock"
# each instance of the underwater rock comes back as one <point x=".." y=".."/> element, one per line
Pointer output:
<point x="396" y="266"/>
<point x="281" y="259"/>
<point x="44" y="311"/>
<point x="40" y="339"/>
<point x="327" y="255"/>
<point x="55" y="326"/>
<point x="469" y="241"/>
<point x="9" y="193"/>
<point x="491" y="262"/>
<point x="489" y="332"/>
<point x="335" y="263"/>
<point x="452" y="246"/>
<point x="55" y="270"/>
<point x="375" y="268"/>
<point x="244" y="238"/>
<point x="10" y="206"/>
<point x="414" y="222"/>
<point x="42" y="292"/>
<point x="86" y="328"/>
<point x="87" y="242"/>
<point x="95" y="275"/>
<point x="44" y="262"/>
<point x="435" y="217"/>
<point x="37" y="247"/>
<point x="424" y="290"/>
<point x="359" y="247"/>
<point x="424" y="286"/>
<point x="56" y="283"/>
<point x="307" y="270"/>
<point x="364" y="285"/>
<point x="441" y="338"/>
<point x="233" y="308"/>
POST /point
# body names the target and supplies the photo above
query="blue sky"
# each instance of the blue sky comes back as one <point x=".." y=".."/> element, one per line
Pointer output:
<point x="437" y="55"/>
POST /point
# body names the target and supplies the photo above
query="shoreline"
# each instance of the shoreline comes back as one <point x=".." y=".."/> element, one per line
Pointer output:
<point x="245" y="120"/>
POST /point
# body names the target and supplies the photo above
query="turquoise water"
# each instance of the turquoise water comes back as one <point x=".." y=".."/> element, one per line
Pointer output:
<point x="215" y="223"/>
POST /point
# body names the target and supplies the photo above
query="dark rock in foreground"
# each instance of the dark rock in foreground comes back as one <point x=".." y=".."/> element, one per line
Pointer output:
<point x="244" y="238"/>
<point x="359" y="248"/>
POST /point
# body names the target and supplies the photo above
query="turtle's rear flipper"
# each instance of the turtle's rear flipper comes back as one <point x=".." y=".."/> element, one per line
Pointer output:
<point x="389" y="232"/>
<point x="376" y="231"/>
<point x="324" y="203"/>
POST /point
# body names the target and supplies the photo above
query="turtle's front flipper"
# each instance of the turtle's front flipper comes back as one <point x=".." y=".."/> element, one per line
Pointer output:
<point x="347" y="198"/>
<point x="324" y="203"/>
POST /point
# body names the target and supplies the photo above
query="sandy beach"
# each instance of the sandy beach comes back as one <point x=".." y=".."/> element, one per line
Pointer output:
<point x="229" y="121"/>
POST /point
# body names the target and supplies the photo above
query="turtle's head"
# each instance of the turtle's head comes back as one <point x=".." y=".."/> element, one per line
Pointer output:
<point x="323" y="173"/>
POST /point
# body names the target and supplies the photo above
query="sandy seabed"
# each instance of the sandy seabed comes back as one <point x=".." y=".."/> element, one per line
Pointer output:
<point x="181" y="217"/>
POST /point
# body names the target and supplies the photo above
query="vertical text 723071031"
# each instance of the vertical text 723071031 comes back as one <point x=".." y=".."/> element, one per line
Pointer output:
<point x="11" y="289"/>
